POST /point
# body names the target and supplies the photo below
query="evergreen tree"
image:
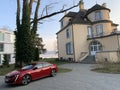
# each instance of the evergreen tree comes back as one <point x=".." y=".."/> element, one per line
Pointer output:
<point x="5" y="60"/>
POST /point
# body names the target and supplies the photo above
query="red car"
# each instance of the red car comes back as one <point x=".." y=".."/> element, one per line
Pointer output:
<point x="31" y="72"/>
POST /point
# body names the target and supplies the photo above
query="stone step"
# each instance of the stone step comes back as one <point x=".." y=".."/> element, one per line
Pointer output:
<point x="89" y="60"/>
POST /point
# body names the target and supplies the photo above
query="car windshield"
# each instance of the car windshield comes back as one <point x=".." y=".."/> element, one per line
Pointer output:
<point x="27" y="67"/>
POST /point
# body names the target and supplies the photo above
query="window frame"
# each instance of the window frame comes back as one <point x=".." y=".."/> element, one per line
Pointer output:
<point x="98" y="15"/>
<point x="1" y="47"/>
<point x="62" y="24"/>
<point x="68" y="33"/>
<point x="2" y="36"/>
<point x="39" y="65"/>
<point x="69" y="48"/>
<point x="90" y="31"/>
<point x="99" y="30"/>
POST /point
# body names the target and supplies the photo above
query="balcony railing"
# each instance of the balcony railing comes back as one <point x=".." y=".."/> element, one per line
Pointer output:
<point x="103" y="34"/>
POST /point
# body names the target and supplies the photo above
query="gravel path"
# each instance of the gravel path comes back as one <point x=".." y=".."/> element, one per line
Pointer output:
<point x="81" y="78"/>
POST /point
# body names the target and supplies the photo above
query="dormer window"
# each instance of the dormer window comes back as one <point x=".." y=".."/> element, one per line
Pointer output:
<point x="61" y="24"/>
<point x="98" y="15"/>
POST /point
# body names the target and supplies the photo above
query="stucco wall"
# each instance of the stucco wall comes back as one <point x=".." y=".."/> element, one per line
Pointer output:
<point x="80" y="40"/>
<point x="8" y="43"/>
<point x="107" y="29"/>
<point x="62" y="40"/>
<point x="65" y="21"/>
<point x="108" y="43"/>
<point x="107" y="57"/>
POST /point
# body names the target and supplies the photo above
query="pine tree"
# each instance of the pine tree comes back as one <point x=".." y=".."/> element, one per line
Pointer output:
<point x="5" y="60"/>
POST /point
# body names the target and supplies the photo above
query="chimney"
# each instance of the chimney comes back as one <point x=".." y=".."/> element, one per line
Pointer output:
<point x="81" y="5"/>
<point x="65" y="12"/>
<point x="104" y="4"/>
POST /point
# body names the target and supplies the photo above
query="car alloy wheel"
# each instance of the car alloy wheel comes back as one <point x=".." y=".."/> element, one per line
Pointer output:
<point x="26" y="79"/>
<point x="53" y="73"/>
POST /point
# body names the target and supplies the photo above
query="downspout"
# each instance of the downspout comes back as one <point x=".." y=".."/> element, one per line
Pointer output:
<point x="118" y="42"/>
<point x="73" y="44"/>
<point x="118" y="47"/>
<point x="58" y="47"/>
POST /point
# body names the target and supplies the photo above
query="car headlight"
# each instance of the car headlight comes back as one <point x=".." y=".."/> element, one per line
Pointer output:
<point x="16" y="77"/>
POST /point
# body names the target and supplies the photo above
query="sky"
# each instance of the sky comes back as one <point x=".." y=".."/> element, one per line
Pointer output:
<point x="50" y="26"/>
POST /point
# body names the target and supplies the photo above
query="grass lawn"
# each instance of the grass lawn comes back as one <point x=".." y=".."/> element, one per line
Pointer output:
<point x="54" y="61"/>
<point x="4" y="70"/>
<point x="108" y="68"/>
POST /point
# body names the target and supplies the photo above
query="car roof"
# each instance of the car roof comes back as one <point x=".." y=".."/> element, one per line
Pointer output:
<point x="40" y="62"/>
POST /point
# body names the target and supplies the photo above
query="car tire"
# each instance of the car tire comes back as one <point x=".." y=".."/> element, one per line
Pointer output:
<point x="53" y="72"/>
<point x="26" y="79"/>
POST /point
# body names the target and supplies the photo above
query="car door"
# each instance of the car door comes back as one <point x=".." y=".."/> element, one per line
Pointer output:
<point x="37" y="71"/>
<point x="46" y="69"/>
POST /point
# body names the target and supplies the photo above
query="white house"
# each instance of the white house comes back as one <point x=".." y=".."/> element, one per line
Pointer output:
<point x="7" y="39"/>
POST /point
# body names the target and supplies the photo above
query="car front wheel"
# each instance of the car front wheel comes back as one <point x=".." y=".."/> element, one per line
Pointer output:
<point x="53" y="72"/>
<point x="26" y="79"/>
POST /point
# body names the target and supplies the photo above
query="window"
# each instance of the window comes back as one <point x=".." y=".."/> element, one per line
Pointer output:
<point x="90" y="31"/>
<point x="27" y="67"/>
<point x="95" y="46"/>
<point x="61" y="24"/>
<point x="12" y="38"/>
<point x="69" y="48"/>
<point x="46" y="64"/>
<point x="8" y="57"/>
<point x="1" y="36"/>
<point x="0" y="59"/>
<point x="67" y="33"/>
<point x="99" y="30"/>
<point x="1" y="47"/>
<point x="39" y="65"/>
<point x="98" y="15"/>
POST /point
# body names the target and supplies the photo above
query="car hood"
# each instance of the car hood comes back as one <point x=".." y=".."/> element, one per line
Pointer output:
<point x="16" y="72"/>
<point x="13" y="73"/>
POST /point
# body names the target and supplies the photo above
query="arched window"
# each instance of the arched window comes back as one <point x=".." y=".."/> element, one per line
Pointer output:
<point x="95" y="46"/>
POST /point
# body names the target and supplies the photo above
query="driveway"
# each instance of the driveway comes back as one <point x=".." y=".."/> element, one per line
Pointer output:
<point x="81" y="78"/>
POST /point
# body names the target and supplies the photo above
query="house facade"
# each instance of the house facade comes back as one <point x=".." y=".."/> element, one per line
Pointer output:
<point x="7" y="39"/>
<point x="88" y="32"/>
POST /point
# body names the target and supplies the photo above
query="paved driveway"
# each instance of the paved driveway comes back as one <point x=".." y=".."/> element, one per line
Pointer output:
<point x="81" y="78"/>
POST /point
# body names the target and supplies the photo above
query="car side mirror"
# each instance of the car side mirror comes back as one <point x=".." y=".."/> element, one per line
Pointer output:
<point x="35" y="68"/>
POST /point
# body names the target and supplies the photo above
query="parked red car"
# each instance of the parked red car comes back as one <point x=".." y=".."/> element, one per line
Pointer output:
<point x="31" y="72"/>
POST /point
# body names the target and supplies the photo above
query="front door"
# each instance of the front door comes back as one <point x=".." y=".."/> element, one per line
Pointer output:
<point x="95" y="46"/>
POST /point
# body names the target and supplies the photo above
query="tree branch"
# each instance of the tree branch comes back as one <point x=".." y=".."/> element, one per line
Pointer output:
<point x="18" y="14"/>
<point x="34" y="28"/>
<point x="55" y="13"/>
<point x="30" y="5"/>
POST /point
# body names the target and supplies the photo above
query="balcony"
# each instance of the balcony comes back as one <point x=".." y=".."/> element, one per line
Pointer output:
<point x="103" y="34"/>
<point x="95" y="35"/>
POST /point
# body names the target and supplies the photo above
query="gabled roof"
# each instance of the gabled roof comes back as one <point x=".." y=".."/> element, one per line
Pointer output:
<point x="80" y="18"/>
<point x="70" y="14"/>
<point x="96" y="7"/>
